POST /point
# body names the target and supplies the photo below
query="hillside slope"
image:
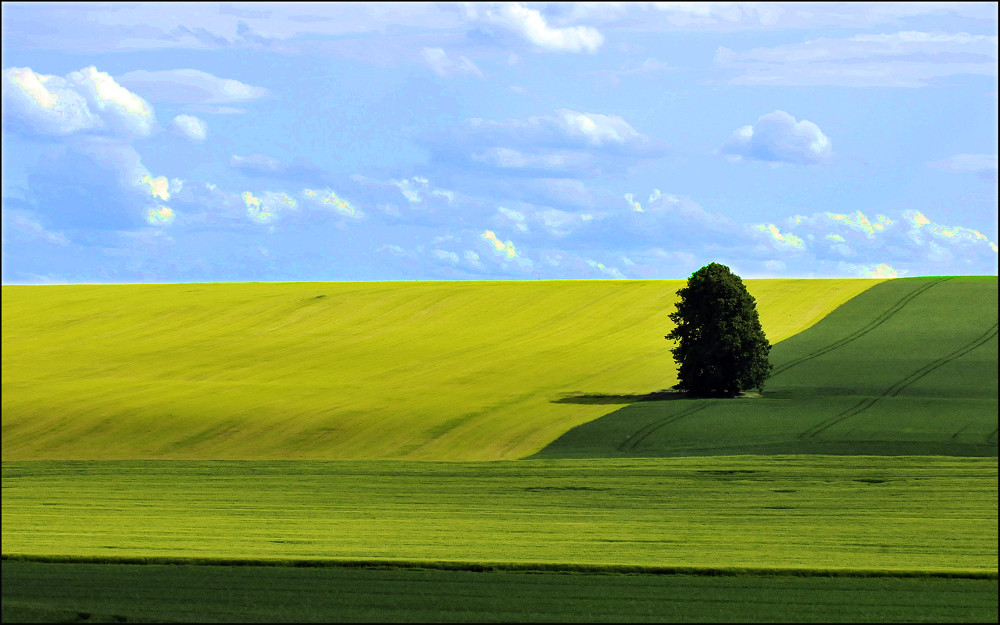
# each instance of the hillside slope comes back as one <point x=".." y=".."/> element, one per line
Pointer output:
<point x="908" y="367"/>
<point x="432" y="370"/>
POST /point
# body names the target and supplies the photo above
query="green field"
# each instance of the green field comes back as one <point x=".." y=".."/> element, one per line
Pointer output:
<point x="909" y="367"/>
<point x="423" y="371"/>
<point x="160" y="446"/>
<point x="801" y="514"/>
<point x="172" y="593"/>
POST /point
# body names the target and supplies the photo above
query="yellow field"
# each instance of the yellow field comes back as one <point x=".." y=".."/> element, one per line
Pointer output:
<point x="377" y="370"/>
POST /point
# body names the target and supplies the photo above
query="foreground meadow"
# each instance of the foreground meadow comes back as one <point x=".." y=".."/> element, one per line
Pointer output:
<point x="54" y="592"/>
<point x="805" y="514"/>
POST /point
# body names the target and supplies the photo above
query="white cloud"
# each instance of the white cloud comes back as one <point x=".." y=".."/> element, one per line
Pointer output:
<point x="902" y="59"/>
<point x="268" y="207"/>
<point x="438" y="60"/>
<point x="565" y="128"/>
<point x="123" y="159"/>
<point x="776" y="137"/>
<point x="634" y="203"/>
<point x="924" y="230"/>
<point x="880" y="270"/>
<point x="533" y="26"/>
<point x="780" y="241"/>
<point x="411" y="188"/>
<point x="612" y="272"/>
<point x="513" y="218"/>
<point x="503" y="249"/>
<point x="327" y="198"/>
<point x="191" y="127"/>
<point x="567" y="143"/>
<point x="450" y="257"/>
<point x="596" y="129"/>
<point x="190" y="86"/>
<point x="47" y="104"/>
<point x="160" y="215"/>
<point x="472" y="259"/>
<point x="86" y="101"/>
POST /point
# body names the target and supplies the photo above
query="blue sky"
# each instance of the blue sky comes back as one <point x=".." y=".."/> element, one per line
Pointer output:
<point x="207" y="142"/>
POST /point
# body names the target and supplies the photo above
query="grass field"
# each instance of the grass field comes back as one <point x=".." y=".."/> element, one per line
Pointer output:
<point x="781" y="513"/>
<point x="155" y="593"/>
<point x="435" y="371"/>
<point x="149" y="435"/>
<point x="909" y="367"/>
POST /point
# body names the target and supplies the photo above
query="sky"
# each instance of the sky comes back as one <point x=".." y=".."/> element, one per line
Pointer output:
<point x="239" y="142"/>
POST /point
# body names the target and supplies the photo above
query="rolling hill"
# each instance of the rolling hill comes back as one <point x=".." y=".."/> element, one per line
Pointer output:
<point x="336" y="371"/>
<point x="908" y="367"/>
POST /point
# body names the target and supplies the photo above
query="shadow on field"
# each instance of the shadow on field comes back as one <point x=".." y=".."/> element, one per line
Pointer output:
<point x="609" y="398"/>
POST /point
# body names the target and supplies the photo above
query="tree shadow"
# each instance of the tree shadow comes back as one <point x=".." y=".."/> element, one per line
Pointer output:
<point x="611" y="398"/>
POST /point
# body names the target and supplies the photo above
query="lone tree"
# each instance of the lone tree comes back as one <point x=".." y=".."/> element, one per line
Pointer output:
<point x="721" y="349"/>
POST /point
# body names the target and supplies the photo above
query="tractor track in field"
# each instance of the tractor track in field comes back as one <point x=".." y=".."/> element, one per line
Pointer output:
<point x="630" y="443"/>
<point x="635" y="439"/>
<point x="898" y="387"/>
<point x="885" y="316"/>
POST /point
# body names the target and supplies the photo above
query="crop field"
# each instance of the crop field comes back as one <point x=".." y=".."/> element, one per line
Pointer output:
<point x="909" y="367"/>
<point x="424" y="371"/>
<point x="179" y="593"/>
<point x="273" y="455"/>
<point x="779" y="513"/>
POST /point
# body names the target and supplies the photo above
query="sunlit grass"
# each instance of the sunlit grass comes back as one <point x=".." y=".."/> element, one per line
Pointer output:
<point x="435" y="370"/>
<point x="805" y="513"/>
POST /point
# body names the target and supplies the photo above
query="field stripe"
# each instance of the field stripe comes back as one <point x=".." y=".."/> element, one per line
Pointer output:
<point x="885" y="316"/>
<point x="532" y="567"/>
<point x="637" y="437"/>
<point x="898" y="387"/>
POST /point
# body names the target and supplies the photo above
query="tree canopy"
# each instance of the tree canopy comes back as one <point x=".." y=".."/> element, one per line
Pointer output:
<point x="721" y="348"/>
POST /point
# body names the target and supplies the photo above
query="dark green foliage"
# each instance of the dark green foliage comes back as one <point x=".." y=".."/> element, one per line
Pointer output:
<point x="721" y="350"/>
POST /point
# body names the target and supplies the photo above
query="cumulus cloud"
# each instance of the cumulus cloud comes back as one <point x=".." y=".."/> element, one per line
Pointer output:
<point x="267" y="208"/>
<point x="445" y="255"/>
<point x="86" y="101"/>
<point x="190" y="86"/>
<point x="876" y="247"/>
<point x="532" y="26"/>
<point x="564" y="128"/>
<point x="442" y="65"/>
<point x="502" y="248"/>
<point x="423" y="202"/>
<point x="778" y="138"/>
<point x="880" y="270"/>
<point x="773" y="236"/>
<point x="901" y="59"/>
<point x="191" y="127"/>
<point x="923" y="230"/>
<point x="567" y="143"/>
<point x="611" y="272"/>
<point x="160" y="216"/>
<point x="327" y="198"/>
